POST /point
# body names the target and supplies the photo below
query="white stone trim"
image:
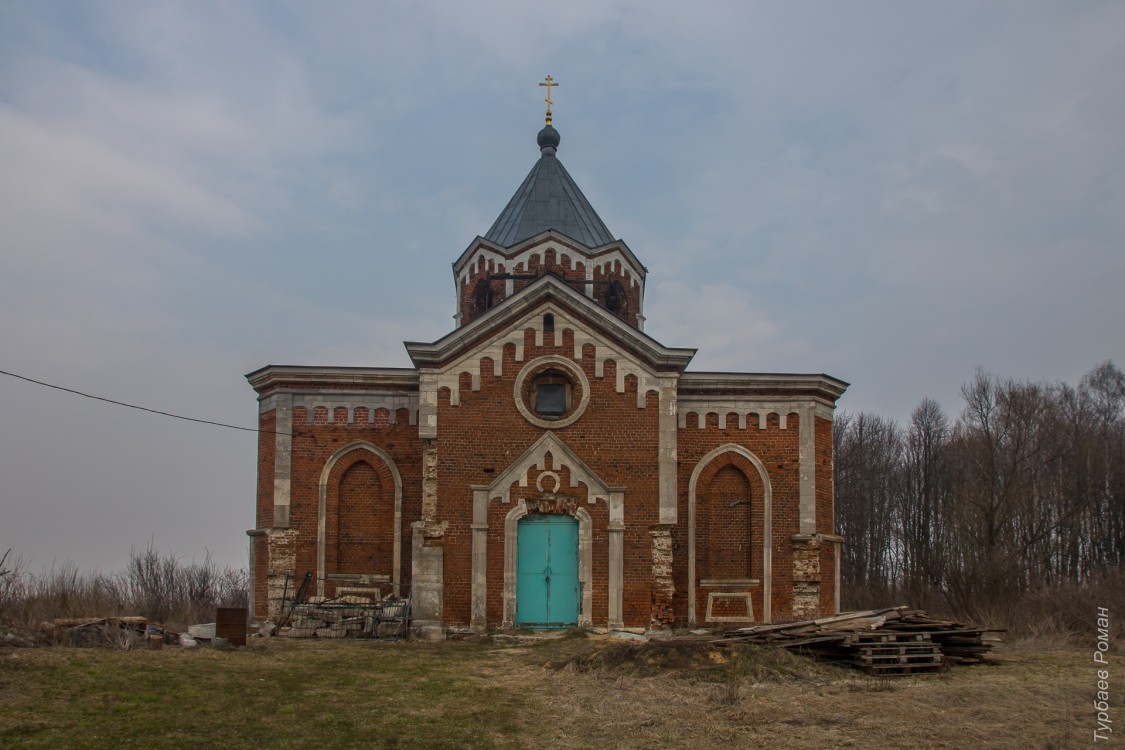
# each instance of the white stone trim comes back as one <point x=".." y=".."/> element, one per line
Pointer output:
<point x="500" y="489"/>
<point x="585" y="563"/>
<point x="667" y="455"/>
<point x="607" y="265"/>
<point x="806" y="459"/>
<point x="763" y="384"/>
<point x="546" y="289"/>
<point x="742" y="407"/>
<point x="427" y="404"/>
<point x="561" y="455"/>
<point x="767" y="526"/>
<point x="494" y="262"/>
<point x="367" y="379"/>
<point x="718" y="583"/>
<point x="391" y="401"/>
<point x="741" y="595"/>
<point x="509" y="259"/>
<point x="604" y="350"/>
<point x="836" y="598"/>
<point x="282" y="459"/>
<point x="322" y="512"/>
<point x="571" y="369"/>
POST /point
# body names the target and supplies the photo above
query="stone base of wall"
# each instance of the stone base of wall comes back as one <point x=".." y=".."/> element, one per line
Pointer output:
<point x="427" y="586"/>
<point x="281" y="545"/>
<point x="663" y="588"/>
<point x="806" y="577"/>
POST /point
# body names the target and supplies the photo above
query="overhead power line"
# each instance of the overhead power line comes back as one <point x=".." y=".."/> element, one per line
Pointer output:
<point x="134" y="406"/>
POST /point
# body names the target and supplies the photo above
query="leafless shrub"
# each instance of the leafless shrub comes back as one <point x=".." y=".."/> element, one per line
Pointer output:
<point x="159" y="587"/>
<point x="1050" y="612"/>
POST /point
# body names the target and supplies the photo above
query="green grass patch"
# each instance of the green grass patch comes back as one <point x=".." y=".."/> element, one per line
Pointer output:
<point x="517" y="692"/>
<point x="294" y="694"/>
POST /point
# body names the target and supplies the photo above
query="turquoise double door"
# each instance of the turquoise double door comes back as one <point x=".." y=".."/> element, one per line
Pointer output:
<point x="547" y="572"/>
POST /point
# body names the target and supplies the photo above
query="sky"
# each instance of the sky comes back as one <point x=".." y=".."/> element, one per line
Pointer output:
<point x="891" y="193"/>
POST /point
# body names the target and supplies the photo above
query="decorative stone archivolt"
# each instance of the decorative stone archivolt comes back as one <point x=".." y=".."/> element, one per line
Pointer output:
<point x="550" y="503"/>
<point x="585" y="553"/>
<point x="767" y="525"/>
<point x="548" y="476"/>
<point x="322" y="511"/>
<point x="500" y="489"/>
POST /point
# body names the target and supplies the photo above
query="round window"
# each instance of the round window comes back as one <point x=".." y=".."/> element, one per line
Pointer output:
<point x="552" y="392"/>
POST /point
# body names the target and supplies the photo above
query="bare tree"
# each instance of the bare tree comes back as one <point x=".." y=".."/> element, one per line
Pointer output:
<point x="1024" y="493"/>
<point x="868" y="452"/>
<point x="925" y="502"/>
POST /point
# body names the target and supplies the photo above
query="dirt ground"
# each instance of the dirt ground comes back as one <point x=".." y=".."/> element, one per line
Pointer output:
<point x="767" y="698"/>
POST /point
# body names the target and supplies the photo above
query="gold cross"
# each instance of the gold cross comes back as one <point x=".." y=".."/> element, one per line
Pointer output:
<point x="549" y="82"/>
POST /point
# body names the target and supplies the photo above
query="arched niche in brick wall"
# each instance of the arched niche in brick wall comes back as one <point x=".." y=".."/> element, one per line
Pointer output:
<point x="352" y="454"/>
<point x="752" y="467"/>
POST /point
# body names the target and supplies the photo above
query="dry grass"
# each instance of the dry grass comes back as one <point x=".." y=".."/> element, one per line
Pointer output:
<point x="769" y="698"/>
<point x="561" y="693"/>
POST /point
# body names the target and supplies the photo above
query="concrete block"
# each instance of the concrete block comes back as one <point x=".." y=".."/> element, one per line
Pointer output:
<point x="203" y="630"/>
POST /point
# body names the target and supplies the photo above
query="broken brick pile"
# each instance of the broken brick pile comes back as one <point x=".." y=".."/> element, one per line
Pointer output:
<point x="348" y="617"/>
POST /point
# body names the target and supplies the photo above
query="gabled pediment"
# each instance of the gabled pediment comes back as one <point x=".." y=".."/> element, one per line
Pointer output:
<point x="508" y="320"/>
<point x="562" y="456"/>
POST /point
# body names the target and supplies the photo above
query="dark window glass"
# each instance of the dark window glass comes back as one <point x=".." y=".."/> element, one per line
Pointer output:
<point x="550" y="399"/>
<point x="616" y="300"/>
<point x="482" y="296"/>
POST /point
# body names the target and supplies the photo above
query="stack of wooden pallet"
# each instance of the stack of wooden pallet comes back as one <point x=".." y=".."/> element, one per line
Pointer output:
<point x="892" y="641"/>
<point x="897" y="653"/>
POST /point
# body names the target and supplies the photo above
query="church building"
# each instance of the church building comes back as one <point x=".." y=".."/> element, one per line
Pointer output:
<point x="547" y="463"/>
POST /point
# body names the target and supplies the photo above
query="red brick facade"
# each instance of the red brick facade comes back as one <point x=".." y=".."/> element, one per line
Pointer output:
<point x="701" y="498"/>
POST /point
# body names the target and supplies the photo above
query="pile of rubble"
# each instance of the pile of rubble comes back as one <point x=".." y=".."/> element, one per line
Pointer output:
<point x="347" y="616"/>
<point x="123" y="632"/>
<point x="9" y="638"/>
<point x="131" y="631"/>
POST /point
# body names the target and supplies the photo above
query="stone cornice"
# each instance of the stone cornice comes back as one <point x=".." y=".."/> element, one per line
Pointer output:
<point x="759" y="384"/>
<point x="295" y="376"/>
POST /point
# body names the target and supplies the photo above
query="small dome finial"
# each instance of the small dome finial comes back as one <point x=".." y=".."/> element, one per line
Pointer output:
<point x="548" y="139"/>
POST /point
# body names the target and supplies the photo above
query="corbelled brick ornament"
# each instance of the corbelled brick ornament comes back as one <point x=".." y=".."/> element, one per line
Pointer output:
<point x="547" y="464"/>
